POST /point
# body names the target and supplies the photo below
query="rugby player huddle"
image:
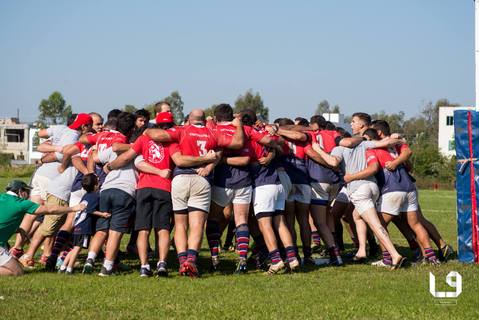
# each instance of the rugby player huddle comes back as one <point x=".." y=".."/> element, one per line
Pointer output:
<point x="134" y="176"/>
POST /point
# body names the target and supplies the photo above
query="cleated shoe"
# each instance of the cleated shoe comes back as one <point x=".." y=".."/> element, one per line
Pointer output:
<point x="308" y="261"/>
<point x="380" y="263"/>
<point x="105" y="273"/>
<point x="336" y="261"/>
<point x="191" y="269"/>
<point x="446" y="252"/>
<point x="276" y="268"/>
<point x="241" y="267"/>
<point x="293" y="265"/>
<point x="215" y="264"/>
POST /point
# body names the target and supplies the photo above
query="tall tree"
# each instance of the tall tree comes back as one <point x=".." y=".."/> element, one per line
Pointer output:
<point x="129" y="108"/>
<point x="323" y="107"/>
<point x="336" y="109"/>
<point x="53" y="110"/>
<point x="174" y="99"/>
<point x="251" y="101"/>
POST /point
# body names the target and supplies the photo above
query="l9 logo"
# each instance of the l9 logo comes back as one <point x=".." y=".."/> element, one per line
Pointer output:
<point x="453" y="279"/>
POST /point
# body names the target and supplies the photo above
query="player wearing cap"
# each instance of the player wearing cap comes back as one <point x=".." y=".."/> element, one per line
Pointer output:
<point x="59" y="136"/>
<point x="153" y="198"/>
<point x="191" y="189"/>
<point x="14" y="206"/>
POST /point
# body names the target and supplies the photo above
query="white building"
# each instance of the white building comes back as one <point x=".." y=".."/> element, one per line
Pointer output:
<point x="338" y="120"/>
<point x="445" y="138"/>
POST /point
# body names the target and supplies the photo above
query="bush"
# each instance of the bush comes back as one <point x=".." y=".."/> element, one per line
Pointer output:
<point x="5" y="159"/>
<point x="7" y="171"/>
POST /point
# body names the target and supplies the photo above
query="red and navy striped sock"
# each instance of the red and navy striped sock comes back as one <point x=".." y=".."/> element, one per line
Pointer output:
<point x="316" y="238"/>
<point x="182" y="258"/>
<point x="387" y="259"/>
<point x="242" y="240"/>
<point x="333" y="251"/>
<point x="275" y="256"/>
<point x="60" y="242"/>
<point x="430" y="255"/>
<point x="192" y="255"/>
<point x="290" y="253"/>
<point x="213" y="236"/>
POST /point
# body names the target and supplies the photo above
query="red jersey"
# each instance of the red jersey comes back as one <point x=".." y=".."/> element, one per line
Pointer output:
<point x="84" y="151"/>
<point x="252" y="138"/>
<point x="194" y="140"/>
<point x="106" y="139"/>
<point x="157" y="155"/>
<point x="325" y="138"/>
<point x="380" y="156"/>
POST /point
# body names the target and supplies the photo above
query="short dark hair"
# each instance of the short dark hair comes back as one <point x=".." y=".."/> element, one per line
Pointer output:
<point x="330" y="126"/>
<point x="364" y="117"/>
<point x="248" y="117"/>
<point x="89" y="181"/>
<point x="372" y="133"/>
<point x="113" y="114"/>
<point x="126" y="123"/>
<point x="277" y="120"/>
<point x="302" y="121"/>
<point x="71" y="118"/>
<point x="286" y="122"/>
<point x="143" y="113"/>
<point x="223" y="112"/>
<point x="383" y="126"/>
<point x="319" y="120"/>
<point x="111" y="124"/>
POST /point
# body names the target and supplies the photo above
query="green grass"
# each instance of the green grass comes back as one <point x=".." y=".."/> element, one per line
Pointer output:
<point x="354" y="291"/>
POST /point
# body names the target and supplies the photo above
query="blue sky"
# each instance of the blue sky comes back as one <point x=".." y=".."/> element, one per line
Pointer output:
<point x="363" y="55"/>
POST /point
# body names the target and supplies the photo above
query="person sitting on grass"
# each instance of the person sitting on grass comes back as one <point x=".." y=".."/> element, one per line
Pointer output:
<point x="14" y="206"/>
<point x="82" y="225"/>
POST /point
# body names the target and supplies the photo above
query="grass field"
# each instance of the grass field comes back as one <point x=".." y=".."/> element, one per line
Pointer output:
<point x="353" y="291"/>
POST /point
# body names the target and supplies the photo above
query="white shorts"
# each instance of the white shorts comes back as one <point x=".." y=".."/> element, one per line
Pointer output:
<point x="286" y="182"/>
<point x="75" y="197"/>
<point x="190" y="192"/>
<point x="224" y="196"/>
<point x="323" y="193"/>
<point x="268" y="199"/>
<point x="365" y="197"/>
<point x="392" y="202"/>
<point x="301" y="193"/>
<point x="4" y="256"/>
<point x="342" y="196"/>
<point x="39" y="185"/>
<point x="412" y="202"/>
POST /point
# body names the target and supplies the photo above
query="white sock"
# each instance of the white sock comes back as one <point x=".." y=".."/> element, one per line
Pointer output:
<point x="146" y="266"/>
<point x="63" y="267"/>
<point x="91" y="255"/>
<point x="108" y="264"/>
<point x="69" y="269"/>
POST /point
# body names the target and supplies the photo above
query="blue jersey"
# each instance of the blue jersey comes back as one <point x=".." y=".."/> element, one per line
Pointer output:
<point x="83" y="223"/>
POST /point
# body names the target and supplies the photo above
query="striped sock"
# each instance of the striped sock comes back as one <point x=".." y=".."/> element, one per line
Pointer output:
<point x="182" y="258"/>
<point x="290" y="253"/>
<point x="316" y="238"/>
<point x="192" y="255"/>
<point x="275" y="256"/>
<point x="387" y="258"/>
<point x="430" y="254"/>
<point x="60" y="241"/>
<point x="333" y="251"/>
<point x="242" y="240"/>
<point x="213" y="236"/>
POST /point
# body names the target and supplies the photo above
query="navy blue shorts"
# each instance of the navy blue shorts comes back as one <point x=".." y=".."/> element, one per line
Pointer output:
<point x="121" y="205"/>
<point x="154" y="209"/>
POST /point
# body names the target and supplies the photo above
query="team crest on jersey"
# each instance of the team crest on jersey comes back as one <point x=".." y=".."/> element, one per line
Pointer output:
<point x="156" y="152"/>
